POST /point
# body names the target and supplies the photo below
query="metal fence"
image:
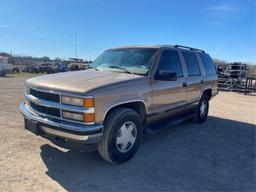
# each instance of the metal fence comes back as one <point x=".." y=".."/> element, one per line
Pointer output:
<point x="233" y="77"/>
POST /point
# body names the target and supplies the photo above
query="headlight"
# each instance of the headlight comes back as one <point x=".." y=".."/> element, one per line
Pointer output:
<point x="72" y="101"/>
<point x="26" y="90"/>
<point x="81" y="102"/>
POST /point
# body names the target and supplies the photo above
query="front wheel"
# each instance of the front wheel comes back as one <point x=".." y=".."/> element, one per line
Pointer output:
<point x="121" y="137"/>
<point x="202" y="109"/>
<point x="2" y="73"/>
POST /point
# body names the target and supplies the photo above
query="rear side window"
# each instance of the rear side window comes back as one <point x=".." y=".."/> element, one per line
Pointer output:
<point x="191" y="63"/>
<point x="209" y="66"/>
<point x="170" y="61"/>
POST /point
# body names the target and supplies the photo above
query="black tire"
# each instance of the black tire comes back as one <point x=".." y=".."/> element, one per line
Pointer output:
<point x="201" y="117"/>
<point x="2" y="73"/>
<point x="108" y="147"/>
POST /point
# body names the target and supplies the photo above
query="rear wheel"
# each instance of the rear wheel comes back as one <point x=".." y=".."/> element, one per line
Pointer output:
<point x="121" y="137"/>
<point x="202" y="109"/>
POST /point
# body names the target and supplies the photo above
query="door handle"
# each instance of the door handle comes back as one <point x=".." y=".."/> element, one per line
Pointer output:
<point x="202" y="81"/>
<point x="184" y="84"/>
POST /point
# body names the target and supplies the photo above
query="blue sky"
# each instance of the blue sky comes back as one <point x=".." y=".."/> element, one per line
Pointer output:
<point x="225" y="29"/>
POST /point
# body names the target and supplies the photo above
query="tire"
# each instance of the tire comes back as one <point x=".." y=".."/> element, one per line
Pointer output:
<point x="110" y="147"/>
<point x="2" y="73"/>
<point x="201" y="115"/>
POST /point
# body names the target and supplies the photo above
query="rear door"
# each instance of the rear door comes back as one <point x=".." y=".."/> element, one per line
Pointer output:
<point x="194" y="77"/>
<point x="210" y="76"/>
<point x="169" y="94"/>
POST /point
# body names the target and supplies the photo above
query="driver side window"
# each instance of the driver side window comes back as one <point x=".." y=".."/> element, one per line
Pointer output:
<point x="170" y="61"/>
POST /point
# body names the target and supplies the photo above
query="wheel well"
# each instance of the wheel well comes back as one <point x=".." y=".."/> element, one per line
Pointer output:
<point x="208" y="92"/>
<point x="137" y="106"/>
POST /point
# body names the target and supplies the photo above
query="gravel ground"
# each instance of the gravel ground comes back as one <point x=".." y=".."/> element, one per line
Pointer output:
<point x="218" y="155"/>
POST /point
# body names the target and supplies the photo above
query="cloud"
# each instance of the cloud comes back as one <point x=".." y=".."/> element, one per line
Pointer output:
<point x="222" y="13"/>
<point x="223" y="9"/>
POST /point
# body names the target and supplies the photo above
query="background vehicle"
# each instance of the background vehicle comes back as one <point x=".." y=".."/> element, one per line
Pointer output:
<point x="15" y="70"/>
<point x="47" y="68"/>
<point x="32" y="69"/>
<point x="128" y="89"/>
<point x="62" y="68"/>
<point x="5" y="68"/>
<point x="77" y="66"/>
<point x="74" y="67"/>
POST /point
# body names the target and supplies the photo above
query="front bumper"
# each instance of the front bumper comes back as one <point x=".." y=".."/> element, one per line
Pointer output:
<point x="63" y="129"/>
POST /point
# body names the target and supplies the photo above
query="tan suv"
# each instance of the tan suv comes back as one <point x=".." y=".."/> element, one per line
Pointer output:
<point x="126" y="90"/>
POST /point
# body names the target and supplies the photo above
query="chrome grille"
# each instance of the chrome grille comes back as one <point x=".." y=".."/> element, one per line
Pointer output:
<point x="44" y="95"/>
<point x="47" y="103"/>
<point x="45" y="110"/>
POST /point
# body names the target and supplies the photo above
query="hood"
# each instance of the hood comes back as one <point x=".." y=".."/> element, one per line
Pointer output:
<point x="79" y="81"/>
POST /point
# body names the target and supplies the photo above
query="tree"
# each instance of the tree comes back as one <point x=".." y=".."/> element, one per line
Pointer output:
<point x="45" y="58"/>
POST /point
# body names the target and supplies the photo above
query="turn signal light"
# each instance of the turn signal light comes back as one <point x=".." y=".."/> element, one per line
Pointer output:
<point x="89" y="117"/>
<point x="88" y="102"/>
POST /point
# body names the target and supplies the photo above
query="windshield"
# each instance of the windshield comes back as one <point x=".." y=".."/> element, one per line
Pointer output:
<point x="134" y="61"/>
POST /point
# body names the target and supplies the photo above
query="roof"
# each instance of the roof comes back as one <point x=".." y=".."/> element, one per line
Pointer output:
<point x="142" y="46"/>
<point x="160" y="46"/>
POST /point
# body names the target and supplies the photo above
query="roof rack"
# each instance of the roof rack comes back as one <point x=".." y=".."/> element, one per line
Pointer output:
<point x="190" y="48"/>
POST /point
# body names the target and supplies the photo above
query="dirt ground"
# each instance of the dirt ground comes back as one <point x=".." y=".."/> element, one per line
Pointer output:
<point x="218" y="155"/>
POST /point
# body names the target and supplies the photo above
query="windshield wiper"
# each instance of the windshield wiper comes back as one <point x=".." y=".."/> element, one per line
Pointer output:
<point x="95" y="68"/>
<point x="122" y="68"/>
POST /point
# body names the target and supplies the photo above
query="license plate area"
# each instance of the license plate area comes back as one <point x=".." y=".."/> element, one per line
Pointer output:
<point x="32" y="126"/>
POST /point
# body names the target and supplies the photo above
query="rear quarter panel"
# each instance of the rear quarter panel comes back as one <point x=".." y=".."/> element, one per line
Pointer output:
<point x="211" y="82"/>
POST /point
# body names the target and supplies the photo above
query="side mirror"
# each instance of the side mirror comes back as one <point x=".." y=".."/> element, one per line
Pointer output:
<point x="165" y="75"/>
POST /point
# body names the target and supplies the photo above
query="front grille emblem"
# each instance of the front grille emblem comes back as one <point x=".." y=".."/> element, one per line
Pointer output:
<point x="36" y="101"/>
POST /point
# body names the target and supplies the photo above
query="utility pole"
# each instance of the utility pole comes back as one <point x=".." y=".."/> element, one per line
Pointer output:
<point x="75" y="44"/>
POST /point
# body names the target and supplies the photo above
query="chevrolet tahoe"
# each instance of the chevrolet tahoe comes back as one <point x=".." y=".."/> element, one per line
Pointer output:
<point x="125" y="91"/>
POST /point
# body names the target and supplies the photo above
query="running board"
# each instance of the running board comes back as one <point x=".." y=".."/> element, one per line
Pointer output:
<point x="171" y="122"/>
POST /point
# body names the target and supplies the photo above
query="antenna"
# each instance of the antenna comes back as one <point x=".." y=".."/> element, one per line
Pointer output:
<point x="75" y="44"/>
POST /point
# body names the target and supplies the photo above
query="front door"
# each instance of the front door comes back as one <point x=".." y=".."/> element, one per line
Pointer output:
<point x="169" y="94"/>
